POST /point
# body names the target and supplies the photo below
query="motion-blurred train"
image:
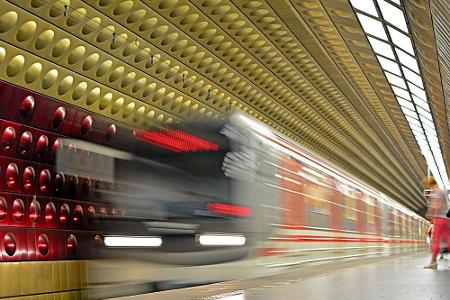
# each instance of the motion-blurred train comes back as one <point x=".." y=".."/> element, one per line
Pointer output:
<point x="112" y="210"/>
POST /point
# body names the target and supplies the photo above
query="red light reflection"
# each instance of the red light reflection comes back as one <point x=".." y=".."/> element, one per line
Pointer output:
<point x="35" y="210"/>
<point x="228" y="209"/>
<point x="77" y="214"/>
<point x="175" y="140"/>
<point x="9" y="242"/>
<point x="50" y="212"/>
<point x="12" y="175"/>
<point x="64" y="213"/>
<point x="28" y="177"/>
<point x="8" y="138"/>
<point x="71" y="244"/>
<point x="43" y="244"/>
<point x="25" y="142"/>
<point x="27" y="106"/>
<point x="18" y="210"/>
<point x="3" y="208"/>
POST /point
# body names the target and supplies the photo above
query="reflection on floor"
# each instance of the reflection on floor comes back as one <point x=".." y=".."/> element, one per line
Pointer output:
<point x="398" y="277"/>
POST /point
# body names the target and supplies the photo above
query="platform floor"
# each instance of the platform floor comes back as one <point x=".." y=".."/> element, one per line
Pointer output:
<point x="397" y="277"/>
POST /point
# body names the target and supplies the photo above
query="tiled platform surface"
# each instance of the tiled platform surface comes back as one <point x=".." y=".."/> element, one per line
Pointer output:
<point x="397" y="277"/>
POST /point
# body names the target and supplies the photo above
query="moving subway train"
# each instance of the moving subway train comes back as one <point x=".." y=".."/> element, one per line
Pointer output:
<point x="105" y="209"/>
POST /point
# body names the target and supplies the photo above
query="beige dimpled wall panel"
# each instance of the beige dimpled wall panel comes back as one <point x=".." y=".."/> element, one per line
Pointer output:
<point x="287" y="63"/>
<point x="241" y="34"/>
<point x="46" y="279"/>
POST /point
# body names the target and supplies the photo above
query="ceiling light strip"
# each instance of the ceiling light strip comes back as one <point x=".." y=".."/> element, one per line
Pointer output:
<point x="387" y="31"/>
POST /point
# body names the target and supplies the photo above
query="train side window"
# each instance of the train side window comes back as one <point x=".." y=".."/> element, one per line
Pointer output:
<point x="317" y="190"/>
<point x="317" y="197"/>
<point x="370" y="209"/>
<point x="350" y="200"/>
<point x="350" y="207"/>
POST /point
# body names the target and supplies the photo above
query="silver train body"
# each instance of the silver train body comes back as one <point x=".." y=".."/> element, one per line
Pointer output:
<point x="284" y="207"/>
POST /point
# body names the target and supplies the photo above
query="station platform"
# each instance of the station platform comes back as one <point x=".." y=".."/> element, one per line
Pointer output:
<point x="395" y="277"/>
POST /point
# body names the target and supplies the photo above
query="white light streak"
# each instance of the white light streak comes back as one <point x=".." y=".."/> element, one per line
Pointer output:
<point x="221" y="240"/>
<point x="132" y="241"/>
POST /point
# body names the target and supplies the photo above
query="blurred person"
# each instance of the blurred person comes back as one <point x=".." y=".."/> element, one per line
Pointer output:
<point x="430" y="233"/>
<point x="442" y="250"/>
<point x="437" y="210"/>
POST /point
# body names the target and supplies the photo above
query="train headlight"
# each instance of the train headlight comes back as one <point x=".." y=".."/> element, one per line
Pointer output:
<point x="221" y="240"/>
<point x="132" y="241"/>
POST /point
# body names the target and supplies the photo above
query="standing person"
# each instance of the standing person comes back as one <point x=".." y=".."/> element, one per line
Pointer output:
<point x="430" y="234"/>
<point x="437" y="210"/>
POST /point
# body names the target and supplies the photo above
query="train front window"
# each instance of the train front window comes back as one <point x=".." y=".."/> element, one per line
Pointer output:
<point x="181" y="172"/>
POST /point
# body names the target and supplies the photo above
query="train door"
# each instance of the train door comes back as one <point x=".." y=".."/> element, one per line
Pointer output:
<point x="292" y="193"/>
<point x="384" y="219"/>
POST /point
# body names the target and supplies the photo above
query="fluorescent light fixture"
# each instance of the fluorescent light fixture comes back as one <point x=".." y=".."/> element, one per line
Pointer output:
<point x="414" y="127"/>
<point x="372" y="26"/>
<point x="422" y="112"/>
<point x="420" y="102"/>
<point x="400" y="92"/>
<point x="393" y="15"/>
<point x="132" y="241"/>
<point x="432" y="138"/>
<point x="412" y="77"/>
<point x="409" y="112"/>
<point x="405" y="103"/>
<point x="419" y="137"/>
<point x="389" y="65"/>
<point x="412" y="120"/>
<point x="221" y="240"/>
<point x="419" y="133"/>
<point x="401" y="40"/>
<point x="381" y="47"/>
<point x="407" y="60"/>
<point x="427" y="118"/>
<point x="395" y="80"/>
<point x="417" y="91"/>
<point x="366" y="6"/>
<point x="430" y="131"/>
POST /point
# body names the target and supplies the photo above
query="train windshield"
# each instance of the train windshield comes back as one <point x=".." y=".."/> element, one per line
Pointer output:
<point x="177" y="173"/>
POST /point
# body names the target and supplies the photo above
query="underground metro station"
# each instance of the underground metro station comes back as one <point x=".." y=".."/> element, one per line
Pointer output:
<point x="224" y="149"/>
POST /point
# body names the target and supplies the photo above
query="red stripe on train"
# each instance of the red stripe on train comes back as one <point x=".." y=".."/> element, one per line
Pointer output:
<point x="340" y="239"/>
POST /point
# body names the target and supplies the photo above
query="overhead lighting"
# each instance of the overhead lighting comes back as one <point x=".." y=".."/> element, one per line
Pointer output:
<point x="401" y="40"/>
<point x="393" y="15"/>
<point x="132" y="241"/>
<point x="412" y="77"/>
<point x="427" y="122"/>
<point x="423" y="112"/>
<point x="381" y="47"/>
<point x="389" y="65"/>
<point x="420" y="102"/>
<point x="221" y="240"/>
<point x="395" y="80"/>
<point x="417" y="91"/>
<point x="400" y="92"/>
<point x="366" y="6"/>
<point x="407" y="60"/>
<point x="372" y="26"/>
<point x="405" y="103"/>
<point x="409" y="112"/>
<point x="414" y="127"/>
<point x="413" y="120"/>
